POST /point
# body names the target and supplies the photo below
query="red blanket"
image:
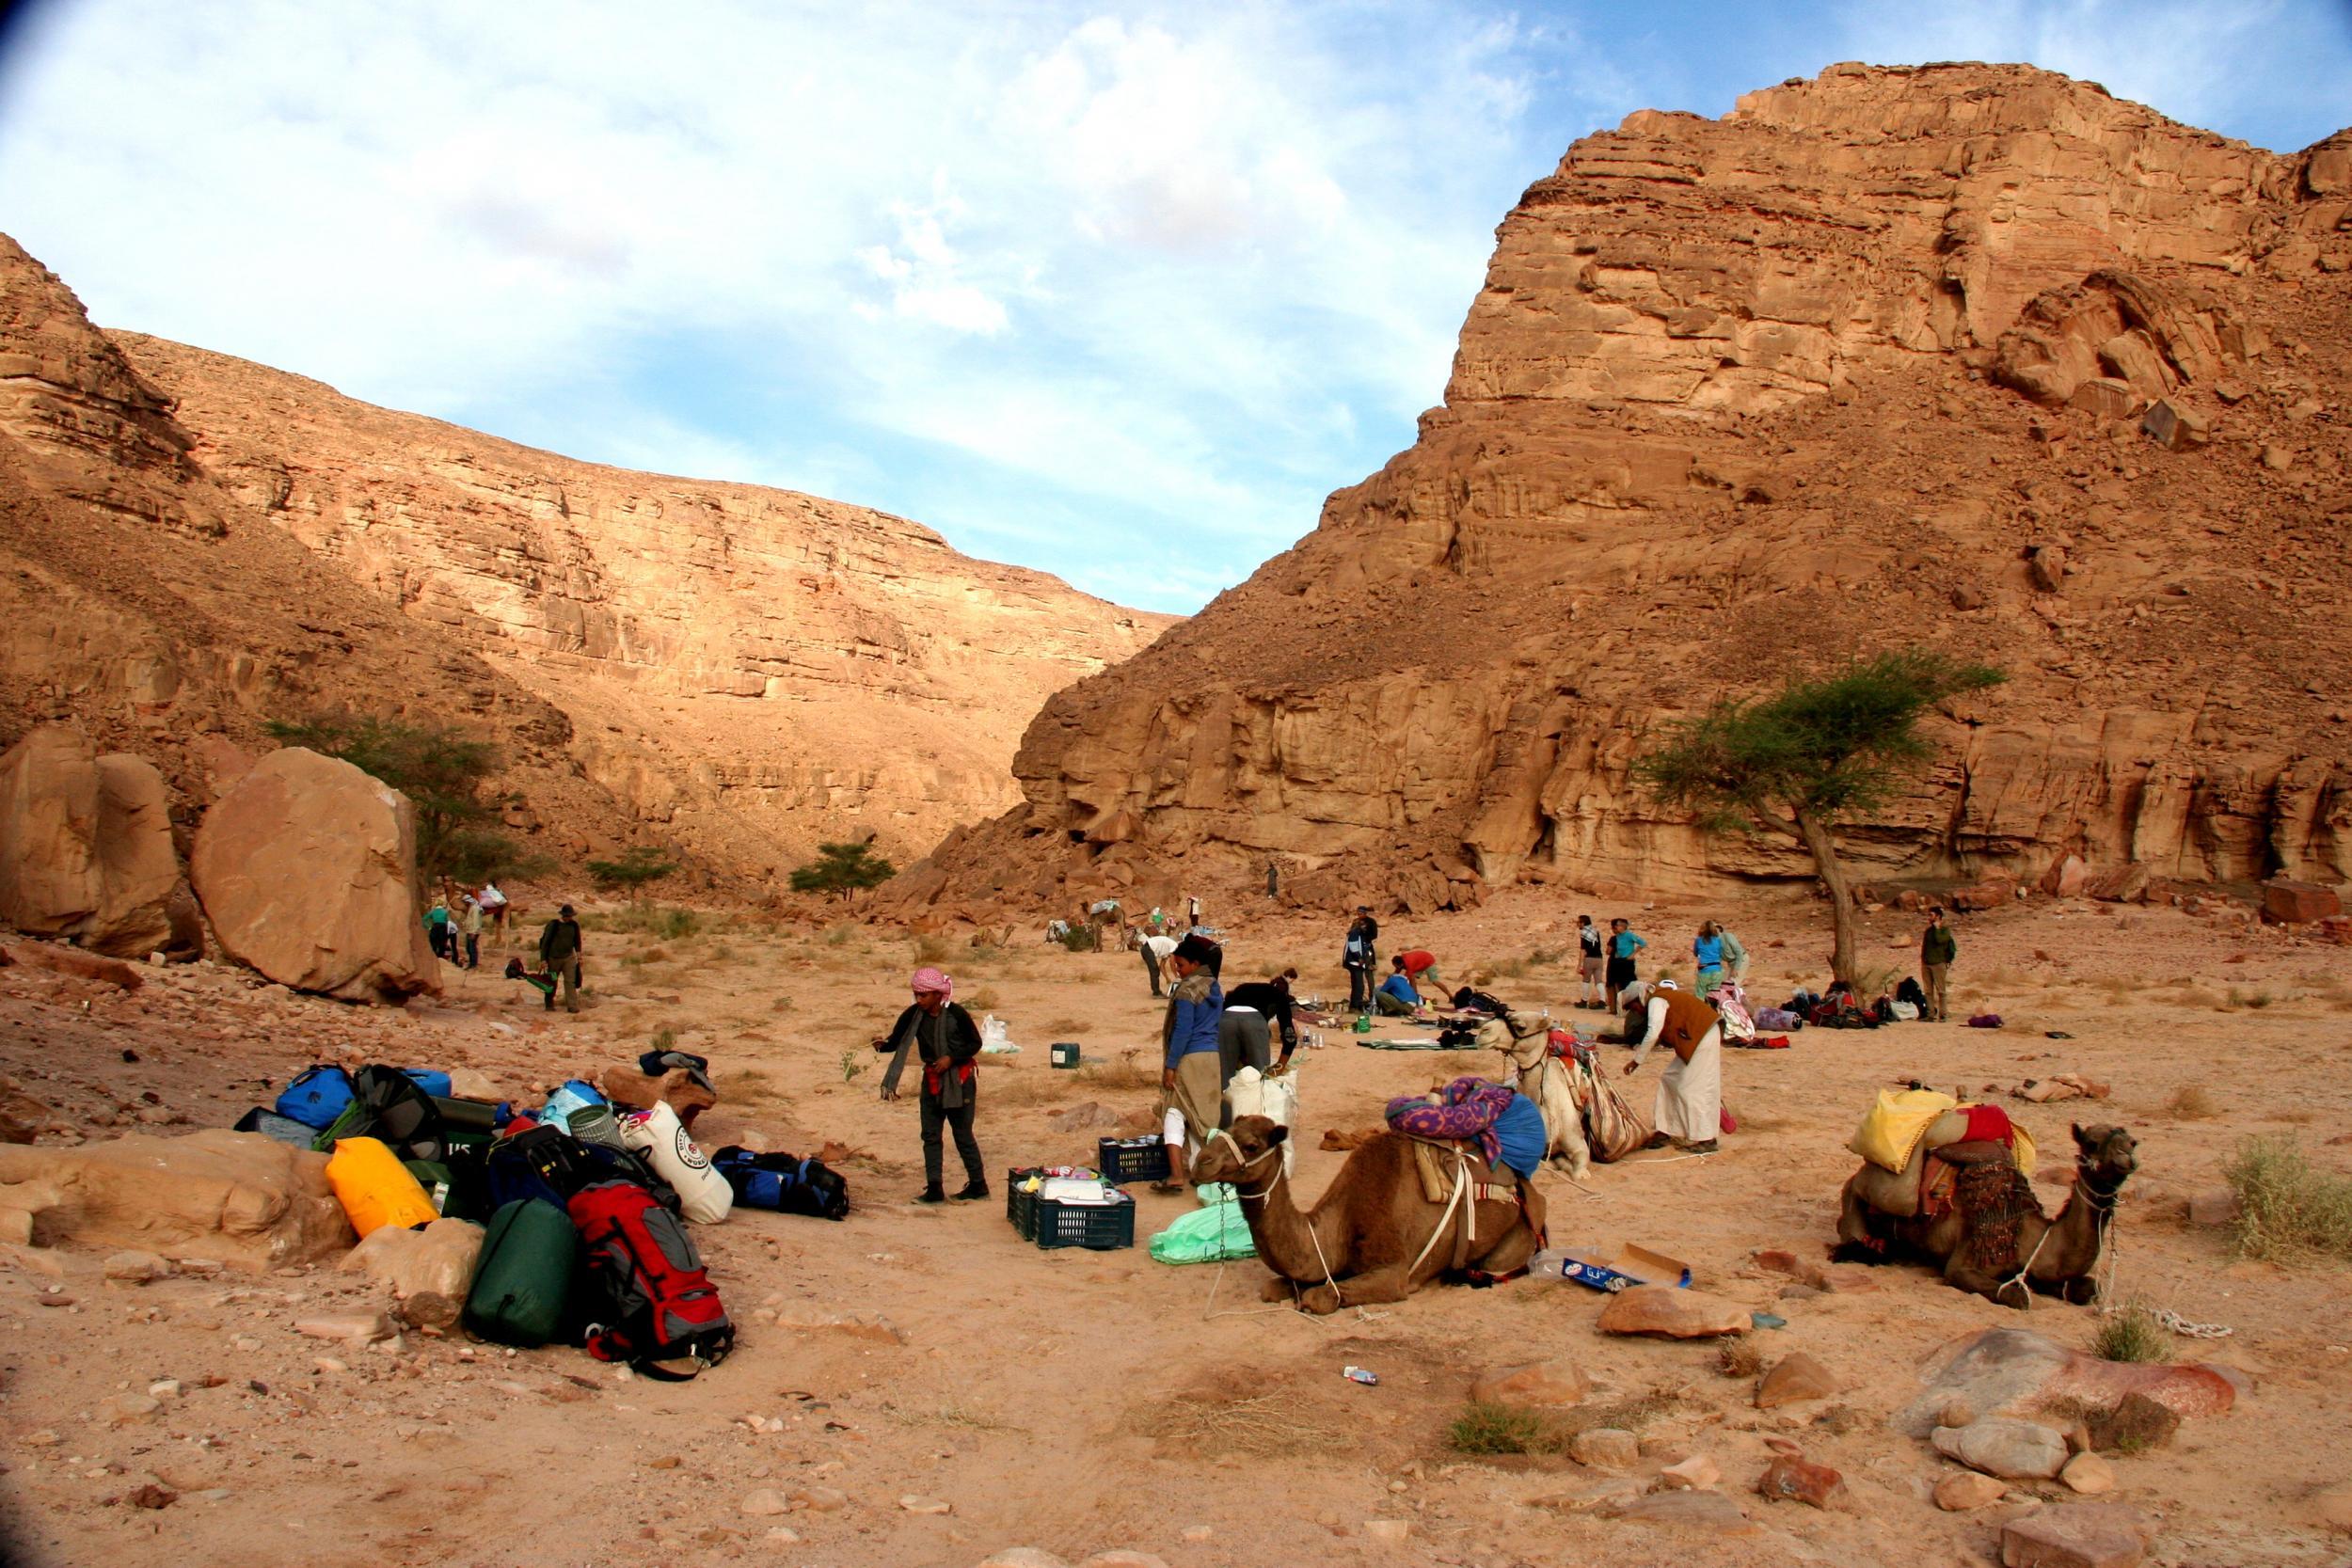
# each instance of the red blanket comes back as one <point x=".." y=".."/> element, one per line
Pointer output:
<point x="1990" y="1124"/>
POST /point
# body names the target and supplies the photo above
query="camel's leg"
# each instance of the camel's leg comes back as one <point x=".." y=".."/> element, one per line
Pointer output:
<point x="2080" y="1290"/>
<point x="1276" y="1289"/>
<point x="2004" y="1293"/>
<point x="1321" y="1300"/>
<point x="1856" y="1243"/>
<point x="1389" y="1282"/>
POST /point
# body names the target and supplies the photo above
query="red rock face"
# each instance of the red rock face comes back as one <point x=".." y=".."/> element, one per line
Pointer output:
<point x="1970" y="357"/>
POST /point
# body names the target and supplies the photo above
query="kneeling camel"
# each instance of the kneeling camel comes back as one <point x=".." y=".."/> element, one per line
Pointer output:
<point x="1375" y="1236"/>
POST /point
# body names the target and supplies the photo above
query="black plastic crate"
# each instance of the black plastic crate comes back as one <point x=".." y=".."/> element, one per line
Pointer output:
<point x="1020" y="1206"/>
<point x="1099" y="1225"/>
<point x="1125" y="1160"/>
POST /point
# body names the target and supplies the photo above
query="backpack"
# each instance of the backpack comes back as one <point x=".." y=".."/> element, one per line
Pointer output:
<point x="542" y="1163"/>
<point x="1909" y="991"/>
<point x="783" y="1183"/>
<point x="524" y="1278"/>
<point x="650" y="1298"/>
<point x="388" y="1105"/>
<point x="316" y="1096"/>
<point x="1456" y="1037"/>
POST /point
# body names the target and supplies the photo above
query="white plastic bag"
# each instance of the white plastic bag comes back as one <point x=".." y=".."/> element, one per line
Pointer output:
<point x="995" y="1038"/>
<point x="1274" y="1097"/>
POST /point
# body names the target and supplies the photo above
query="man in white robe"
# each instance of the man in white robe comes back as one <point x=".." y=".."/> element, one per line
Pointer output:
<point x="1690" y="1093"/>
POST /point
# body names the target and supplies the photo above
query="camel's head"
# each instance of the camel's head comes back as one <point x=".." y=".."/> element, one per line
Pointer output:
<point x="1239" y="1155"/>
<point x="2107" y="1155"/>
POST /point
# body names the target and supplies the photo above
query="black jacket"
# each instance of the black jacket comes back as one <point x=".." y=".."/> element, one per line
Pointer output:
<point x="957" y="1038"/>
<point x="1268" y="1000"/>
<point x="559" y="941"/>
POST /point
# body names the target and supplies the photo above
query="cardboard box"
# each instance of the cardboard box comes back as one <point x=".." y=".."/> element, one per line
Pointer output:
<point x="1615" y="1267"/>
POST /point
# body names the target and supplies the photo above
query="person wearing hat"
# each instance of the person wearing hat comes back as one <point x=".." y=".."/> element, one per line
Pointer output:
<point x="1192" y="1099"/>
<point x="1355" y="956"/>
<point x="559" y="948"/>
<point x="946" y="1041"/>
<point x="1690" y="1103"/>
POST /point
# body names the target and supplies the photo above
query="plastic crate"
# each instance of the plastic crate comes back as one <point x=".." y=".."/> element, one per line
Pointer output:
<point x="1124" y="1160"/>
<point x="1020" y="1206"/>
<point x="1098" y="1225"/>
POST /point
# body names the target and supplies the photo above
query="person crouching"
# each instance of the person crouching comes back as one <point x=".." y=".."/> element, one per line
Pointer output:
<point x="948" y="1041"/>
<point x="1191" y="1096"/>
<point x="1691" y="1095"/>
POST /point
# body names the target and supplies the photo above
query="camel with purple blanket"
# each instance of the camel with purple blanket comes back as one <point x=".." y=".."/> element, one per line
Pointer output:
<point x="1406" y="1207"/>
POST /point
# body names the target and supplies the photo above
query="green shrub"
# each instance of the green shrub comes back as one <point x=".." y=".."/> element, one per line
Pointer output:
<point x="1491" y="1429"/>
<point x="843" y="868"/>
<point x="1080" y="938"/>
<point x="638" y="867"/>
<point x="2289" y="1210"/>
<point x="2132" y="1333"/>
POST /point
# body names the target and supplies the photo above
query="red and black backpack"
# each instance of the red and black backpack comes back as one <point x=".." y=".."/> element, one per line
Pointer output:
<point x="651" y="1300"/>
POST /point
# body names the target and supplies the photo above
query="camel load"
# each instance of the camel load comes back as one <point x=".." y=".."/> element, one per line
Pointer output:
<point x="1948" y="1185"/>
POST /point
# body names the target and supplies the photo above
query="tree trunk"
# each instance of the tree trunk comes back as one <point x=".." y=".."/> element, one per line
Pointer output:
<point x="1817" y="839"/>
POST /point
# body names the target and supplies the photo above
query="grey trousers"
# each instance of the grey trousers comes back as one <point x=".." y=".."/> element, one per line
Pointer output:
<point x="1243" y="1039"/>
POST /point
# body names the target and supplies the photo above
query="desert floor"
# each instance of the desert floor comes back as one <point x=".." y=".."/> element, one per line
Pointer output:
<point x="1081" y="1401"/>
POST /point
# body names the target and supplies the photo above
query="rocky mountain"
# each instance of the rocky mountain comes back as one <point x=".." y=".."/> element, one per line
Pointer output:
<point x="1971" y="356"/>
<point x="191" y="545"/>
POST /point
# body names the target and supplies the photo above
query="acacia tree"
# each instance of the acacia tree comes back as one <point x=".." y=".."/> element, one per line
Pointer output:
<point x="1811" y="758"/>
<point x="640" y="867"/>
<point x="842" y="868"/>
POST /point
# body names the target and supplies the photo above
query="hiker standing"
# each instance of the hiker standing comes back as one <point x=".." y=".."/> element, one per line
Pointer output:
<point x="1624" y="941"/>
<point x="470" y="923"/>
<point x="1938" y="948"/>
<point x="1273" y="880"/>
<point x="1192" y="910"/>
<point x="1191" y="1103"/>
<point x="1355" y="956"/>
<point x="1735" y="954"/>
<point x="1691" y="1095"/>
<point x="1707" y="952"/>
<point x="1156" y="949"/>
<point x="1592" y="962"/>
<point x="560" y="949"/>
<point x="948" y="1042"/>
<point x="437" y="930"/>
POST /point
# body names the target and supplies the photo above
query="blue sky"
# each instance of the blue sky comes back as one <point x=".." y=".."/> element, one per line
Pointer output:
<point x="1119" y="292"/>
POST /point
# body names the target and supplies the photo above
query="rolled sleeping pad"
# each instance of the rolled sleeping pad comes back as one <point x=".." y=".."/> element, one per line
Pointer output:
<point x="375" y="1188"/>
<point x="703" y="1196"/>
<point x="474" y="1116"/>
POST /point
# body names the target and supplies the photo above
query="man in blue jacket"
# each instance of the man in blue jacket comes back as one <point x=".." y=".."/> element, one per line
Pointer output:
<point x="1191" y="1093"/>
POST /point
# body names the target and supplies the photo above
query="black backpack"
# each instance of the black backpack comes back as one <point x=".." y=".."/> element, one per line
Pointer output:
<point x="1909" y="991"/>
<point x="386" y="1104"/>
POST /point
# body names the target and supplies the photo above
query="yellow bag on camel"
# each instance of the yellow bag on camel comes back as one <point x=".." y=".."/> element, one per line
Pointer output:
<point x="1892" y="1130"/>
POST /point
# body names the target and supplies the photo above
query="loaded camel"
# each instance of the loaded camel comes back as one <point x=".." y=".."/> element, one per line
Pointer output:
<point x="1374" y="1236"/>
<point x="1994" y="1238"/>
<point x="1543" y="1078"/>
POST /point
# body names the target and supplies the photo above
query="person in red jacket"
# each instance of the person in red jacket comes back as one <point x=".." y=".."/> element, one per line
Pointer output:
<point x="1420" y="970"/>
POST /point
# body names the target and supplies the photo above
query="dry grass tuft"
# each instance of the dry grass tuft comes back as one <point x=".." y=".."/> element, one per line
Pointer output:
<point x="1494" y="1429"/>
<point x="2132" y="1333"/>
<point x="1740" y="1357"/>
<point x="1130" y="1072"/>
<point x="1249" y="1419"/>
<point x="2192" y="1102"/>
<point x="2291" y="1211"/>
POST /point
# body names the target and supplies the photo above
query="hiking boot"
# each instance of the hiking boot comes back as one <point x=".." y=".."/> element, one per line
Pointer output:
<point x="1707" y="1147"/>
<point x="930" y="1195"/>
<point x="1658" y="1140"/>
<point x="971" y="1191"/>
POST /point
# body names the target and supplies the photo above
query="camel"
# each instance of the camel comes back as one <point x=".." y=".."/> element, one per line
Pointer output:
<point x="2059" y="1257"/>
<point x="1543" y="1080"/>
<point x="1374" y="1237"/>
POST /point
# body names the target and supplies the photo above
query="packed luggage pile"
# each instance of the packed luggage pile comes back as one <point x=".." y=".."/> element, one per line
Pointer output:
<point x="585" y="1202"/>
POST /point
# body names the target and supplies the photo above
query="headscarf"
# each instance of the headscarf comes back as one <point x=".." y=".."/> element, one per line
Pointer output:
<point x="933" y="981"/>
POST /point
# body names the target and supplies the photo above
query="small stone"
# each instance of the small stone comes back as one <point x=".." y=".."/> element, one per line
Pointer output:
<point x="1589" y="1495"/>
<point x="1123" y="1557"/>
<point x="1968" y="1490"/>
<point x="137" y="1268"/>
<point x="330" y="1366"/>
<point x="1606" y="1448"/>
<point x="819" y="1500"/>
<point x="360" y="1327"/>
<point x="783" y="1537"/>
<point x="123" y="1409"/>
<point x="1794" y="1378"/>
<point x="1954" y="1412"/>
<point x="915" y="1503"/>
<point x="1696" y="1510"/>
<point x="2219" y="1206"/>
<point x="2087" y="1474"/>
<point x="1389" y="1532"/>
<point x="1195" y="1534"/>
<point x="1541" y="1384"/>
<point x="2003" y="1445"/>
<point x="1694" y="1474"/>
<point x="764" y="1502"/>
<point x="165" y="1388"/>
<point x="1021" y="1556"/>
<point x="2081" y="1535"/>
<point x="151" y="1495"/>
<point x="1677" y="1314"/>
<point x="217" y="1494"/>
<point x="671" y="1461"/>
<point x="1789" y="1479"/>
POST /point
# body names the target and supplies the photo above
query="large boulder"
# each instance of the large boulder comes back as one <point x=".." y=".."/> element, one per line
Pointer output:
<point x="307" y="868"/>
<point x="85" y="845"/>
<point x="237" y="1197"/>
<point x="2015" y="1370"/>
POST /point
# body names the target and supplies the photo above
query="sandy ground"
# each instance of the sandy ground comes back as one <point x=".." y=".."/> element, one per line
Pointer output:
<point x="1079" y="1402"/>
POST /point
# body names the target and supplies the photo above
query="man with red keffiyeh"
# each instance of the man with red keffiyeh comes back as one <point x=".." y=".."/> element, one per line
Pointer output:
<point x="948" y="1042"/>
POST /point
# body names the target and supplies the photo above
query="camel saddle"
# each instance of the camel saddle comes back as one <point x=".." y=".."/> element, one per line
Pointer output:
<point x="1439" y="1161"/>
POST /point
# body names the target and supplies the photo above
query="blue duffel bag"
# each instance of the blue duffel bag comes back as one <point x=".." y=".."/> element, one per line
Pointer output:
<point x="316" y="1096"/>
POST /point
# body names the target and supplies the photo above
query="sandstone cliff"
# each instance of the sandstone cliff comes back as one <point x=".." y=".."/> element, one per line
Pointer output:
<point x="1975" y="356"/>
<point x="196" y="543"/>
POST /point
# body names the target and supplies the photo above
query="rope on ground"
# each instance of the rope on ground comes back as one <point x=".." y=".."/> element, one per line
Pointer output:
<point x="2109" y="1306"/>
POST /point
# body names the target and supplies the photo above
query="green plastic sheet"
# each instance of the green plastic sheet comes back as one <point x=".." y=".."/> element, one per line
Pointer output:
<point x="1212" y="1233"/>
